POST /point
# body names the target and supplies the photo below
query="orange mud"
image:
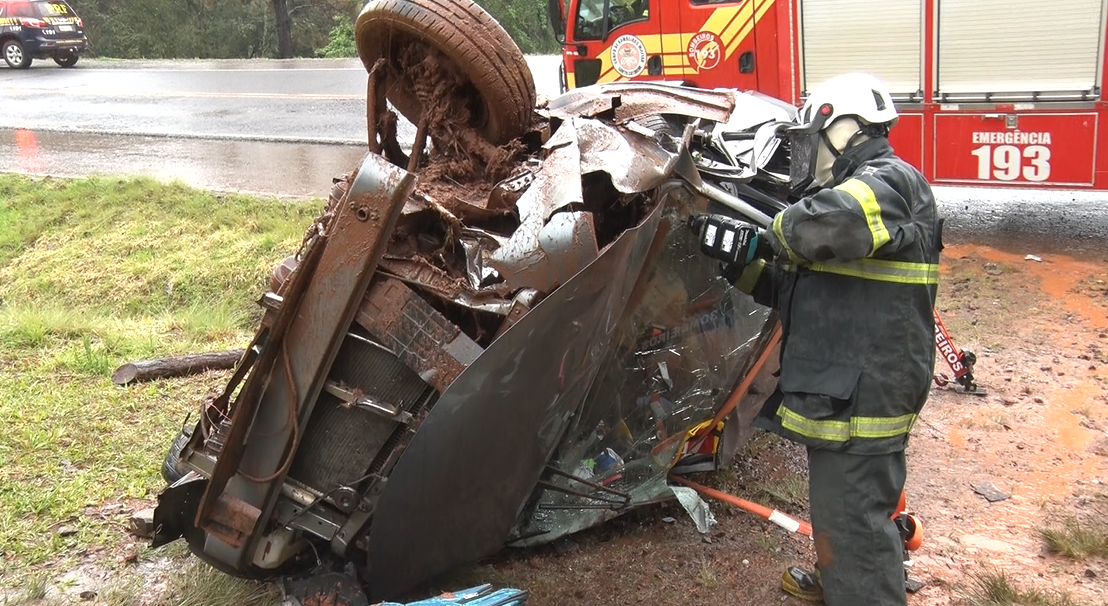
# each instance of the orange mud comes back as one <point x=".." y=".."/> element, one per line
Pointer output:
<point x="1039" y="435"/>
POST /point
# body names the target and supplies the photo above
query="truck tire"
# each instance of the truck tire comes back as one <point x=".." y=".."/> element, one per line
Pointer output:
<point x="462" y="31"/>
<point x="15" y="55"/>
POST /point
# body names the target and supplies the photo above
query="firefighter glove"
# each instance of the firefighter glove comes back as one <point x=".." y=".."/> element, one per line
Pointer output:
<point x="731" y="241"/>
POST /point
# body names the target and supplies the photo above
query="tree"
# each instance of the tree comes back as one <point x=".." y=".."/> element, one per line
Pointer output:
<point x="283" y="25"/>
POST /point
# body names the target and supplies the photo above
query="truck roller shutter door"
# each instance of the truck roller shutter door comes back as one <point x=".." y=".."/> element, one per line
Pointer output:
<point x="1019" y="49"/>
<point x="884" y="39"/>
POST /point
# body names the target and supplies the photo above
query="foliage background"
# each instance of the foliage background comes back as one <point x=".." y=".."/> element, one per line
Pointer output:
<point x="223" y="29"/>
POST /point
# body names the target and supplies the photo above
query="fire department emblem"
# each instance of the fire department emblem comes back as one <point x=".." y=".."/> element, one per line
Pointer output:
<point x="628" y="56"/>
<point x="705" y="51"/>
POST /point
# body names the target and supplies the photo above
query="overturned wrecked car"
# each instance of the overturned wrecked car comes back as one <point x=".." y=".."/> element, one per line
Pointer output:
<point x="497" y="336"/>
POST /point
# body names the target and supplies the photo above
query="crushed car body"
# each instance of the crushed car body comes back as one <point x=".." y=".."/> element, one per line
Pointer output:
<point x="447" y="369"/>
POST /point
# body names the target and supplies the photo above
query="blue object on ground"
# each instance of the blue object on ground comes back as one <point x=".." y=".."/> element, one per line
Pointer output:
<point x="481" y="595"/>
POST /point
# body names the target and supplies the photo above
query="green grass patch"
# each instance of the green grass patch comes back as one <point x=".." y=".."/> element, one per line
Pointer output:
<point x="95" y="273"/>
<point x="1076" y="539"/>
<point x="789" y="490"/>
<point x="994" y="588"/>
<point x="137" y="246"/>
<point x="201" y="584"/>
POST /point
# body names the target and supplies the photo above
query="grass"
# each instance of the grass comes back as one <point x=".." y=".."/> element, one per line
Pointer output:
<point x="789" y="490"/>
<point x="95" y="273"/>
<point x="202" y="584"/>
<point x="194" y="583"/>
<point x="1076" y="539"/>
<point x="994" y="588"/>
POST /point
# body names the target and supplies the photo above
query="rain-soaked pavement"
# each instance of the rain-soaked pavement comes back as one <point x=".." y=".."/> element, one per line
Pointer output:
<point x="271" y="127"/>
<point x="299" y="170"/>
<point x="287" y="127"/>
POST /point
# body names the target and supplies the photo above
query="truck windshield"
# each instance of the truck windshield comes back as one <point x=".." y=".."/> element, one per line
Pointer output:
<point x="589" y="20"/>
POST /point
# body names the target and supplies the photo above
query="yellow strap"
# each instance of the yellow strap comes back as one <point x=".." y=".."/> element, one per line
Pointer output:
<point x="841" y="431"/>
<point x="900" y="272"/>
<point x="870" y="208"/>
<point x="779" y="231"/>
<point x="749" y="278"/>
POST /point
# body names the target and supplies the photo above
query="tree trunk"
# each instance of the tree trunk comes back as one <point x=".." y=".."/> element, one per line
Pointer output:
<point x="284" y="28"/>
<point x="177" y="366"/>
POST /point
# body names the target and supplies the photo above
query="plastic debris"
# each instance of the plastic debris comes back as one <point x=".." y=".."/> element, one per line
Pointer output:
<point x="481" y="595"/>
<point x="1034" y="258"/>
<point x="698" y="510"/>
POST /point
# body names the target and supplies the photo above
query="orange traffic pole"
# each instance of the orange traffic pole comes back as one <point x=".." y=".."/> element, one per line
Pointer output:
<point x="781" y="519"/>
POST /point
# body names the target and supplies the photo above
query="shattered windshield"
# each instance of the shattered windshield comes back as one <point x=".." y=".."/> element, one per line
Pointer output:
<point x="682" y="343"/>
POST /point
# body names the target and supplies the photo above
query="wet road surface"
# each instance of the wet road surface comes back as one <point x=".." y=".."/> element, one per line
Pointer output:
<point x="298" y="170"/>
<point x="287" y="127"/>
<point x="272" y="127"/>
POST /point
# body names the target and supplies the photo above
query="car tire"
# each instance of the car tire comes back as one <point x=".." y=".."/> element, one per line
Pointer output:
<point x="483" y="52"/>
<point x="67" y="60"/>
<point x="14" y="55"/>
<point x="171" y="464"/>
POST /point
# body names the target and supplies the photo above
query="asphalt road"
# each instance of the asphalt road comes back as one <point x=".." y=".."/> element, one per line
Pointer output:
<point x="287" y="127"/>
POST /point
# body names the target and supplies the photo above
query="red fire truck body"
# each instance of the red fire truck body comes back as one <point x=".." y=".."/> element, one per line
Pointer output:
<point x="990" y="92"/>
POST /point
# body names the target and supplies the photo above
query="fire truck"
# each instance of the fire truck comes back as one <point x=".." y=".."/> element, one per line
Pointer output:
<point x="990" y="92"/>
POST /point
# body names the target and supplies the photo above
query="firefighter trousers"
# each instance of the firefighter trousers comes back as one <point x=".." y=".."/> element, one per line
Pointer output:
<point x="859" y="550"/>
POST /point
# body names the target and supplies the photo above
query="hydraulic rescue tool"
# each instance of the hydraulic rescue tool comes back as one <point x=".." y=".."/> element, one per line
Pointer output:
<point x="960" y="361"/>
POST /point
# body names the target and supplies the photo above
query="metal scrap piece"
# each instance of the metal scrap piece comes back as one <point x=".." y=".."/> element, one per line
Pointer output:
<point x="418" y="270"/>
<point x="630" y="101"/>
<point x="636" y="163"/>
<point x="541" y="258"/>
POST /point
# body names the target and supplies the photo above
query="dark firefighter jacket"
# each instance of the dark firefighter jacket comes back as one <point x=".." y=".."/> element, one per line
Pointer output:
<point x="855" y="285"/>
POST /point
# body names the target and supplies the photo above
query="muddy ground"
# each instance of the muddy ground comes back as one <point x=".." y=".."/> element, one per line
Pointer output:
<point x="1040" y="330"/>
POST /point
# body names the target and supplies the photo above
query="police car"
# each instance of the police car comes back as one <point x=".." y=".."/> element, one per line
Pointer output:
<point x="37" y="29"/>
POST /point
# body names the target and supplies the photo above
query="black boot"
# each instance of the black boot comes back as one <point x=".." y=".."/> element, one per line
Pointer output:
<point x="802" y="584"/>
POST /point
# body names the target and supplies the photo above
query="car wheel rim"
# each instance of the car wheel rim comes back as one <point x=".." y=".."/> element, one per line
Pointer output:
<point x="15" y="55"/>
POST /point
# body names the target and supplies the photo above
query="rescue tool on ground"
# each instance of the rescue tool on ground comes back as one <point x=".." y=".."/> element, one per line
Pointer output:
<point x="960" y="361"/>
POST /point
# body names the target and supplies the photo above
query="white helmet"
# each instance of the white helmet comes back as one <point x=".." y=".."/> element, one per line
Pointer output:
<point x="840" y="113"/>
<point x="860" y="95"/>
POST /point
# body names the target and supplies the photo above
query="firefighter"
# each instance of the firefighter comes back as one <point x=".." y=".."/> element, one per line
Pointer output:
<point x="852" y="269"/>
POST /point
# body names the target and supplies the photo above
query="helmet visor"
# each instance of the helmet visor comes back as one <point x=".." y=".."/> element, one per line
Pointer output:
<point x="803" y="147"/>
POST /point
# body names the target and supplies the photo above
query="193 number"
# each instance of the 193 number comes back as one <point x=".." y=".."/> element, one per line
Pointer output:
<point x="1006" y="162"/>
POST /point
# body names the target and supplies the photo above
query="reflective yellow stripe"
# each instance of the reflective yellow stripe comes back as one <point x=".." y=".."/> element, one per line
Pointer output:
<point x="870" y="208"/>
<point x="841" y="431"/>
<point x="749" y="278"/>
<point x="900" y="272"/>
<point x="780" y="233"/>
<point x="881" y="427"/>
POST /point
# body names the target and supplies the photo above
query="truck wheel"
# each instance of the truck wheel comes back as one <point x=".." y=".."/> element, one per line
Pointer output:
<point x="14" y="55"/>
<point x="66" y="60"/>
<point x="502" y="95"/>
